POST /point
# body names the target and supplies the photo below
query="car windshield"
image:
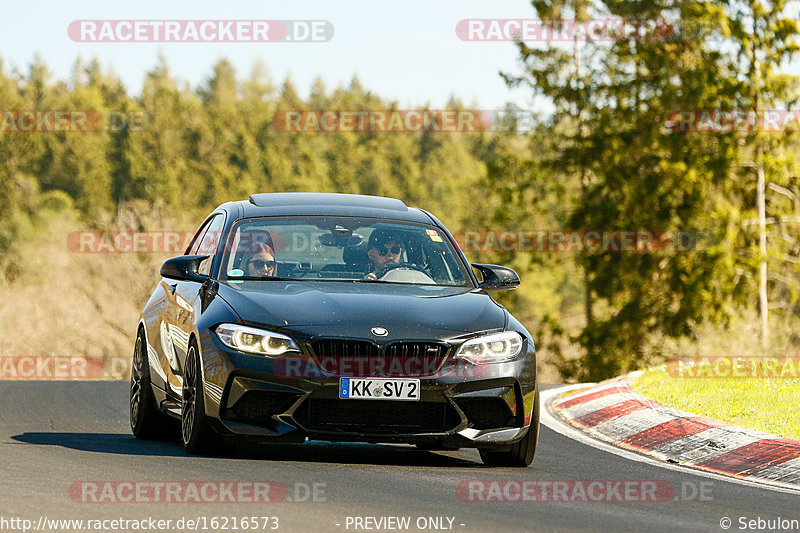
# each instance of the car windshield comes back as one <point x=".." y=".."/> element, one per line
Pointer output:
<point x="340" y="248"/>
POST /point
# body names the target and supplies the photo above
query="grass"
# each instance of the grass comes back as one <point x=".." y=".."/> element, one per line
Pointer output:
<point x="766" y="404"/>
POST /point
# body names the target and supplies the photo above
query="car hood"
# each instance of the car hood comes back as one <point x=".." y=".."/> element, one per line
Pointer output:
<point x="353" y="309"/>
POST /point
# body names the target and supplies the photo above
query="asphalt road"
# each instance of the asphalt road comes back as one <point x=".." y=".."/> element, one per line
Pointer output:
<point x="57" y="434"/>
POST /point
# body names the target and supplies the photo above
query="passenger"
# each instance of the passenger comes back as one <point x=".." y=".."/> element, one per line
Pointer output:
<point x="261" y="262"/>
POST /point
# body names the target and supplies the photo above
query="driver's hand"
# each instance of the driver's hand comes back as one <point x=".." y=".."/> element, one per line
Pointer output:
<point x="371" y="275"/>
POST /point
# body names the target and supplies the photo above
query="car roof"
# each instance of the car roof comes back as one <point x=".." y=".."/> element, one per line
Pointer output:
<point x="335" y="204"/>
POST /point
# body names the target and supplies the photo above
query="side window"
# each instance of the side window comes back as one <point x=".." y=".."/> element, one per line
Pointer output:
<point x="208" y="243"/>
<point x="198" y="238"/>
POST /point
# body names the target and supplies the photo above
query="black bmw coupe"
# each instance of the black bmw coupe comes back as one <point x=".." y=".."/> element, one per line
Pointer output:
<point x="333" y="317"/>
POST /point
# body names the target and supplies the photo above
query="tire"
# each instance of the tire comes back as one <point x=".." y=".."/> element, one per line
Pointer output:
<point x="147" y="422"/>
<point x="197" y="435"/>
<point x="522" y="452"/>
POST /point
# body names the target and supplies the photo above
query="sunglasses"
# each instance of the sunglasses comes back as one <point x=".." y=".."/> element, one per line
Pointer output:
<point x="395" y="250"/>
<point x="258" y="263"/>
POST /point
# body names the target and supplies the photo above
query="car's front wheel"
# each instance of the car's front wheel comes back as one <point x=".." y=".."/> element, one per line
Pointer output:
<point x="522" y="452"/>
<point x="197" y="435"/>
<point x="147" y="422"/>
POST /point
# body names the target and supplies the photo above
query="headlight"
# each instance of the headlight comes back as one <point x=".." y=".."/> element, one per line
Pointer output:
<point x="493" y="348"/>
<point x="254" y="340"/>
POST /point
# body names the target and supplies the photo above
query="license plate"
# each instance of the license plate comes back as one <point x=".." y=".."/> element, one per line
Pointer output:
<point x="379" y="389"/>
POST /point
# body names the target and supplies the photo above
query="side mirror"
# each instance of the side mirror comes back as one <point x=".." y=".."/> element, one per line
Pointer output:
<point x="184" y="268"/>
<point x="497" y="278"/>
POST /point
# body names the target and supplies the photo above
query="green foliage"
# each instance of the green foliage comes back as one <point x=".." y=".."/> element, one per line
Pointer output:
<point x="604" y="160"/>
<point x="620" y="166"/>
<point x="195" y="149"/>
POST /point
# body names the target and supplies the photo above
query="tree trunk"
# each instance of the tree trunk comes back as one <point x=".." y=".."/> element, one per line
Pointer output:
<point x="763" y="302"/>
<point x="761" y="206"/>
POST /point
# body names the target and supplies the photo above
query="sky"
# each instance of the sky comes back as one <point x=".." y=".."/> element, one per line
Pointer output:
<point x="402" y="51"/>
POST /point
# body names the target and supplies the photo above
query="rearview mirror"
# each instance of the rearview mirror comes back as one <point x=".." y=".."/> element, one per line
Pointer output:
<point x="340" y="241"/>
<point x="497" y="278"/>
<point x="184" y="268"/>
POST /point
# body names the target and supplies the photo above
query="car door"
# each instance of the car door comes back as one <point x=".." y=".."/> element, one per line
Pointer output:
<point x="182" y="304"/>
<point x="157" y="326"/>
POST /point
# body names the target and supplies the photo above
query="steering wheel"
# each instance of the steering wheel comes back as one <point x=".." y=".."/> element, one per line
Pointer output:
<point x="380" y="274"/>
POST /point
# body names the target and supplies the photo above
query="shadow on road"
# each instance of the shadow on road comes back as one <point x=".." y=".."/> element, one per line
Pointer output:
<point x="309" y="452"/>
<point x="116" y="443"/>
<point x="354" y="453"/>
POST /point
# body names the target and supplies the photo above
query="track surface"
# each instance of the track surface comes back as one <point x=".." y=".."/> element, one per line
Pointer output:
<point x="54" y="434"/>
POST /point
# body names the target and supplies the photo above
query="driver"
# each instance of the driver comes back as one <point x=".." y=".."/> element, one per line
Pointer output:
<point x="383" y="249"/>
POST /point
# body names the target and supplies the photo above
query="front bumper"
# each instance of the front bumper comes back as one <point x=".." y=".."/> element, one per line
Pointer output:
<point x="461" y="405"/>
